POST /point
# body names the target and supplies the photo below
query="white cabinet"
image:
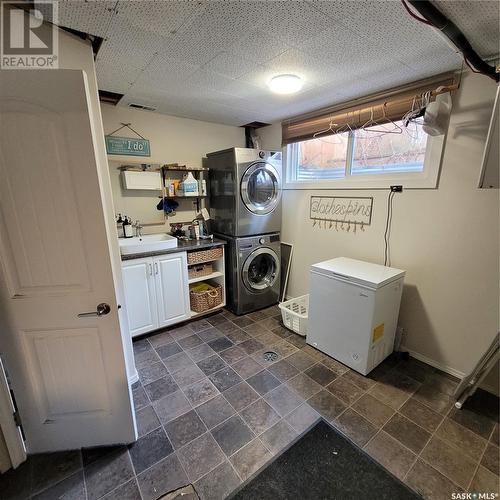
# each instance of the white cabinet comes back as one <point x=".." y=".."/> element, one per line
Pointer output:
<point x="156" y="292"/>
<point x="140" y="295"/>
<point x="172" y="292"/>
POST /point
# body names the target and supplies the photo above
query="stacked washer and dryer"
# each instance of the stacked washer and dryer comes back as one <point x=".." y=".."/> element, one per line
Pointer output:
<point x="245" y="203"/>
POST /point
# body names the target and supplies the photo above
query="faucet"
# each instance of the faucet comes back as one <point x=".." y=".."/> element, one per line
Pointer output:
<point x="138" y="228"/>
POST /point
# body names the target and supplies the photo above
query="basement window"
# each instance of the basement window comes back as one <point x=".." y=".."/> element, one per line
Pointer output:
<point x="364" y="144"/>
<point x="365" y="158"/>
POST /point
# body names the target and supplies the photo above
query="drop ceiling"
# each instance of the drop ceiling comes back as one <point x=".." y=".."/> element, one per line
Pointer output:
<point x="210" y="60"/>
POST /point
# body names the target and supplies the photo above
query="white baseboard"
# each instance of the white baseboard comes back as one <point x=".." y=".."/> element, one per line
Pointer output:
<point x="448" y="369"/>
<point x="434" y="364"/>
<point x="133" y="378"/>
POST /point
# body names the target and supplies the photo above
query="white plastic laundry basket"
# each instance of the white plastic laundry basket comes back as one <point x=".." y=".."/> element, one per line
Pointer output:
<point x="294" y="313"/>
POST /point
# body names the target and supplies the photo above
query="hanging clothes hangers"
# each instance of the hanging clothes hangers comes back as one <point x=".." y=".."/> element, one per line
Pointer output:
<point x="396" y="128"/>
<point x="328" y="132"/>
<point x="371" y="122"/>
<point x="347" y="126"/>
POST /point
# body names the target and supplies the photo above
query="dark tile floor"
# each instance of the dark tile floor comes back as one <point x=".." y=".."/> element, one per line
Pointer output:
<point x="210" y="411"/>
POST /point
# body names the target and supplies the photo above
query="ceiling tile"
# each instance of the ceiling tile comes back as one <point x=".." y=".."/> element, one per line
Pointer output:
<point x="293" y="22"/>
<point x="479" y="26"/>
<point x="211" y="31"/>
<point x="385" y="28"/>
<point x="210" y="80"/>
<point x="259" y="45"/>
<point x="158" y="16"/>
<point x="163" y="73"/>
<point x="312" y="69"/>
<point x="116" y="77"/>
<point x="128" y="45"/>
<point x="230" y="65"/>
<point x="91" y="16"/>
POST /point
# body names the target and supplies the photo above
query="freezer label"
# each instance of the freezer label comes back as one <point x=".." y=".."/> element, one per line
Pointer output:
<point x="378" y="332"/>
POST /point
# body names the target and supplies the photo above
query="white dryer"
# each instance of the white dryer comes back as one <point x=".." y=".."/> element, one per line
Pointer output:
<point x="245" y="191"/>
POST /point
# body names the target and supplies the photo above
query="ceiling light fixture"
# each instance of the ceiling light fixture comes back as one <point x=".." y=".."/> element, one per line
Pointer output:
<point x="285" y="84"/>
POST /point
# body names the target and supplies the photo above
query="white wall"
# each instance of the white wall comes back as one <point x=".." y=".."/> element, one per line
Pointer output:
<point x="446" y="239"/>
<point x="172" y="140"/>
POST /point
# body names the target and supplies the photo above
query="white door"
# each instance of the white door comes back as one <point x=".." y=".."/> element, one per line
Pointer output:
<point x="172" y="288"/>
<point x="12" y="449"/>
<point x="140" y="295"/>
<point x="68" y="372"/>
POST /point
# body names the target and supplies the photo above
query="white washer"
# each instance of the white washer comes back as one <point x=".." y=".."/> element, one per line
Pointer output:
<point x="353" y="311"/>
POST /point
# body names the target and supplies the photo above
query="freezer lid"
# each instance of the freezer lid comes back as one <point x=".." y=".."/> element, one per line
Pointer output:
<point x="358" y="271"/>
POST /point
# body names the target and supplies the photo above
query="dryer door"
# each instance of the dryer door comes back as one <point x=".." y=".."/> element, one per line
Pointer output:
<point x="260" y="270"/>
<point x="261" y="188"/>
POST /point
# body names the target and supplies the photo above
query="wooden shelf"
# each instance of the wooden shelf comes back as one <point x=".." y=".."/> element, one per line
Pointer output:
<point x="189" y="169"/>
<point x="194" y="314"/>
<point x="204" y="261"/>
<point x="215" y="274"/>
<point x="186" y="197"/>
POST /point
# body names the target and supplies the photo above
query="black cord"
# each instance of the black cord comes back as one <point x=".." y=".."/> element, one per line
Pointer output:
<point x="418" y="18"/>
<point x="388" y="223"/>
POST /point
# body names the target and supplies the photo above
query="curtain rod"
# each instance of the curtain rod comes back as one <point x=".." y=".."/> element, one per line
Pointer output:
<point x="373" y="97"/>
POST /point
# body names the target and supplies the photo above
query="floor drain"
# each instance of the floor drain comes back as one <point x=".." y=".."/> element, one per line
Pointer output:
<point x="270" y="356"/>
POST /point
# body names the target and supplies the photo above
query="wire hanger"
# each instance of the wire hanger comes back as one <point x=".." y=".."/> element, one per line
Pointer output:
<point x="330" y="131"/>
<point x="370" y="122"/>
<point x="396" y="129"/>
<point x="347" y="126"/>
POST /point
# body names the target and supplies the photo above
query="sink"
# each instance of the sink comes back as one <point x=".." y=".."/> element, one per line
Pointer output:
<point x="147" y="243"/>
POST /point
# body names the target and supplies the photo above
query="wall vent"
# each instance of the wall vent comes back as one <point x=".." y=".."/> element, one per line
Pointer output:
<point x="141" y="106"/>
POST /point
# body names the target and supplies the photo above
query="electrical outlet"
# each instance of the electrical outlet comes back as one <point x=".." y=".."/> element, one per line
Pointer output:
<point x="397" y="189"/>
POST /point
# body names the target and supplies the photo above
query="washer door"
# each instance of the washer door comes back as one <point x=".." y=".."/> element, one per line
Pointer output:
<point x="260" y="270"/>
<point x="260" y="188"/>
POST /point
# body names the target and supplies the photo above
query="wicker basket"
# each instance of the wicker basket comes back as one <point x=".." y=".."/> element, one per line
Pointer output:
<point x="204" y="255"/>
<point x="205" y="296"/>
<point x="199" y="270"/>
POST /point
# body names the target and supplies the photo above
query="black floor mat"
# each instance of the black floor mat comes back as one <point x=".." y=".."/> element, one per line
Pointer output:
<point x="324" y="465"/>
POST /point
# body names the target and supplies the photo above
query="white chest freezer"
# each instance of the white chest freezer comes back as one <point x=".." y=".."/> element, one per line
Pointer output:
<point x="353" y="311"/>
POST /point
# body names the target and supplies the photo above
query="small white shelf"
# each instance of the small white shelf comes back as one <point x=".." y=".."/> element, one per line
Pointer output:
<point x="220" y="306"/>
<point x="216" y="274"/>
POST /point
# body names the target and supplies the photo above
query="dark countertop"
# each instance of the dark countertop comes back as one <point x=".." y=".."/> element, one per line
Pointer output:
<point x="182" y="246"/>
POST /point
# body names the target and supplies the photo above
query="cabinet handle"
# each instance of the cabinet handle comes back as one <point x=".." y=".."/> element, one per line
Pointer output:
<point x="156" y="267"/>
<point x="150" y="269"/>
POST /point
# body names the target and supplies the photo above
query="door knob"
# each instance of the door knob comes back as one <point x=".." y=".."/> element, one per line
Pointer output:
<point x="101" y="310"/>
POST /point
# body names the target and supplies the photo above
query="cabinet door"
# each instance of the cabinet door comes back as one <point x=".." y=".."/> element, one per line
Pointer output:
<point x="140" y="297"/>
<point x="172" y="293"/>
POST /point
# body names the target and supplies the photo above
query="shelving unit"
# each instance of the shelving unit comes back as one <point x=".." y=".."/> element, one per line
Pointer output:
<point x="194" y="314"/>
<point x="200" y="171"/>
<point x="217" y="276"/>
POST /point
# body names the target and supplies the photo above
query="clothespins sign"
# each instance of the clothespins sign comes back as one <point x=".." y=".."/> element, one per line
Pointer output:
<point x="341" y="213"/>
